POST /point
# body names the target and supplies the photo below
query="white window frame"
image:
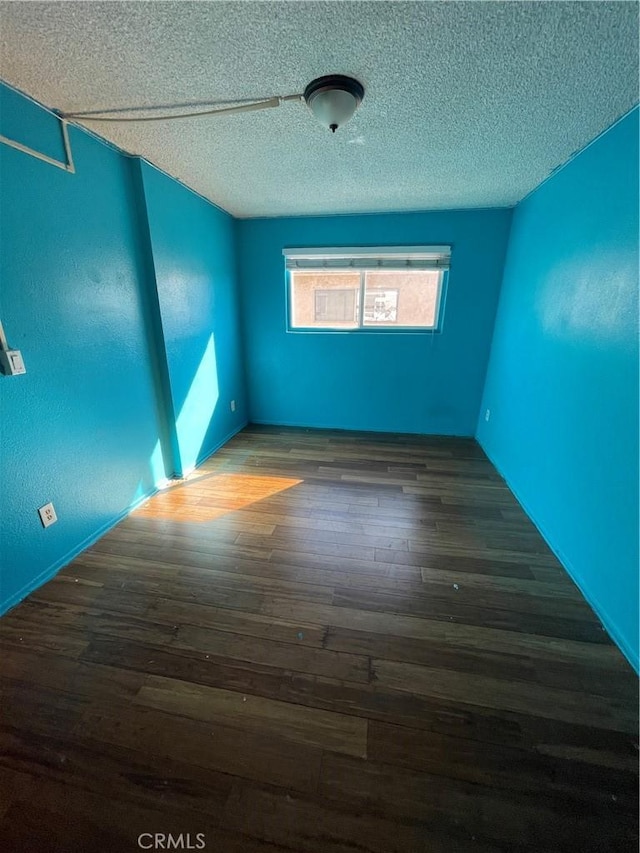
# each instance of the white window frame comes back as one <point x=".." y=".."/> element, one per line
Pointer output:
<point x="363" y="259"/>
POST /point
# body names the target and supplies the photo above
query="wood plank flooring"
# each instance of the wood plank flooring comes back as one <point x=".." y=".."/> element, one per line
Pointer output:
<point x="320" y="642"/>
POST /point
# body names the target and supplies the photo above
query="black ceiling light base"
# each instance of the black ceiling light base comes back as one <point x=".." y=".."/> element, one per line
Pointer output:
<point x="333" y="99"/>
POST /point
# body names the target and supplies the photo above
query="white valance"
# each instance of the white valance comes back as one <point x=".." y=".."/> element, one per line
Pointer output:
<point x="370" y="257"/>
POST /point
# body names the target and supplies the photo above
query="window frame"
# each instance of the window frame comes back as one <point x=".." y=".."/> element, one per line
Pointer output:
<point x="372" y="328"/>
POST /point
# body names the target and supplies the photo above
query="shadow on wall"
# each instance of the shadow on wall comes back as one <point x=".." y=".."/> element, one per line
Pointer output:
<point x="209" y="495"/>
<point x="192" y="425"/>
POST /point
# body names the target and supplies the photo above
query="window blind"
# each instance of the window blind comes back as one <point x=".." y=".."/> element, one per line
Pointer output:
<point x="373" y="257"/>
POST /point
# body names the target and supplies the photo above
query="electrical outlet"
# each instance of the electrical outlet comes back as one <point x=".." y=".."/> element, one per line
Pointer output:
<point x="47" y="515"/>
<point x="487" y="415"/>
<point x="233" y="405"/>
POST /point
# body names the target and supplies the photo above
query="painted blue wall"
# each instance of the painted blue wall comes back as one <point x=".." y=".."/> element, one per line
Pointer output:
<point x="193" y="246"/>
<point x="87" y="426"/>
<point x="413" y="383"/>
<point x="80" y="427"/>
<point x="562" y="382"/>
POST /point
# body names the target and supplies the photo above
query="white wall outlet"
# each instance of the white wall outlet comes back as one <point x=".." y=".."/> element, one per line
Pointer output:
<point x="47" y="515"/>
<point x="487" y="415"/>
<point x="233" y="405"/>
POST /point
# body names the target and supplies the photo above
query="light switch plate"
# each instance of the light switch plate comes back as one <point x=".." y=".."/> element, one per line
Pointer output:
<point x="11" y="362"/>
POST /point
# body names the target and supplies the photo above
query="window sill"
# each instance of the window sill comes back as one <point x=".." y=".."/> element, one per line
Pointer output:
<point x="387" y="330"/>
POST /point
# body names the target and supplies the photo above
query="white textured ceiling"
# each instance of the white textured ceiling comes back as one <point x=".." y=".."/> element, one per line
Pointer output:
<point x="466" y="104"/>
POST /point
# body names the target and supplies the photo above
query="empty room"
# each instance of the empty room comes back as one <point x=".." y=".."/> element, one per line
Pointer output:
<point x="319" y="451"/>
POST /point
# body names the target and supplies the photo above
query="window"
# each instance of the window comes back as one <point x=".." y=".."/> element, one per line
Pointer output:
<point x="366" y="289"/>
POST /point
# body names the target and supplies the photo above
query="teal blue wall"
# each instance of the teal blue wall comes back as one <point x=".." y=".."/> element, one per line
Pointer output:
<point x="89" y="425"/>
<point x="401" y="382"/>
<point x="562" y="382"/>
<point x="193" y="246"/>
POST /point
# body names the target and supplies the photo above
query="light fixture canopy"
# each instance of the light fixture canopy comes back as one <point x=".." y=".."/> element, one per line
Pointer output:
<point x="333" y="99"/>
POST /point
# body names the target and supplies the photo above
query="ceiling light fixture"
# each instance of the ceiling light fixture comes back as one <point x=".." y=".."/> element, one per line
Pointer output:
<point x="332" y="99"/>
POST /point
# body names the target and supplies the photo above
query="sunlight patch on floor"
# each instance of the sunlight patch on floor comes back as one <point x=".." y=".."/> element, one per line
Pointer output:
<point x="211" y="496"/>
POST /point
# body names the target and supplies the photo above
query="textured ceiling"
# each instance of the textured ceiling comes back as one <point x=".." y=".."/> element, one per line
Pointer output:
<point x="467" y="104"/>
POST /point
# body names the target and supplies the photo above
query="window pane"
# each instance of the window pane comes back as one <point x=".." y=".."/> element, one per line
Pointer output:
<point x="325" y="300"/>
<point x="401" y="298"/>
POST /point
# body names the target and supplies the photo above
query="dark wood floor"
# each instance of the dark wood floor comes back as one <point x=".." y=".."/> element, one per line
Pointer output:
<point x="320" y="642"/>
